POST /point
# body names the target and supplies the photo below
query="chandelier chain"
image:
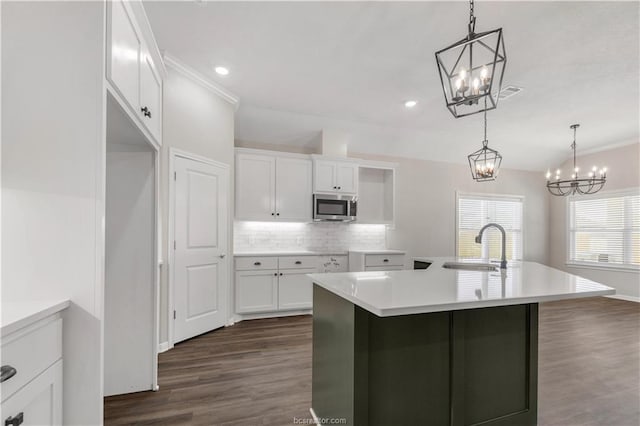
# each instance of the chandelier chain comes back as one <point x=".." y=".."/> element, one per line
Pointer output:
<point x="472" y="18"/>
<point x="485" y="142"/>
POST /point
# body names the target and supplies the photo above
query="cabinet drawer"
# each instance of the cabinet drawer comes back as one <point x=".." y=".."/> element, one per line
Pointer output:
<point x="298" y="262"/>
<point x="256" y="263"/>
<point x="384" y="260"/>
<point x="31" y="351"/>
<point x="383" y="268"/>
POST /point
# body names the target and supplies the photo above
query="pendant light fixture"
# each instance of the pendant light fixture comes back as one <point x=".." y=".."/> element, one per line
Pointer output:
<point x="577" y="185"/>
<point x="472" y="69"/>
<point x="485" y="162"/>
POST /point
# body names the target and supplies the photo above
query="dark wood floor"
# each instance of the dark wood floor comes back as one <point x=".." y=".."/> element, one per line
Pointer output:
<point x="259" y="372"/>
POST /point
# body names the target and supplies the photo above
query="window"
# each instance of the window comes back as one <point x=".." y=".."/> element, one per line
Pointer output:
<point x="605" y="230"/>
<point x="475" y="211"/>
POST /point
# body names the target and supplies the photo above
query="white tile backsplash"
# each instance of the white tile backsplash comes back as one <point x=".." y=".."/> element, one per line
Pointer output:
<point x="267" y="236"/>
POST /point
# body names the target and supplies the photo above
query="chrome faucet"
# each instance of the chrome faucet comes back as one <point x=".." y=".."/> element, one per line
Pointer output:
<point x="503" y="262"/>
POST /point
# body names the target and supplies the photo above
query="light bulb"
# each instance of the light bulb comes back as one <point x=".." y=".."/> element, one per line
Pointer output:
<point x="463" y="74"/>
<point x="476" y="83"/>
<point x="577" y="169"/>
<point x="590" y="174"/>
<point x="548" y="174"/>
<point x="594" y="169"/>
<point x="484" y="72"/>
<point x="558" y="172"/>
<point x="604" y="170"/>
<point x="458" y="84"/>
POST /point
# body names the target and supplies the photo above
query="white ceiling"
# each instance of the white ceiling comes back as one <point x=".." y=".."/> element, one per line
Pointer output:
<point x="299" y="67"/>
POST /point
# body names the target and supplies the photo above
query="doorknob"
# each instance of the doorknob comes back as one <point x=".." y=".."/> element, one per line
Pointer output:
<point x="222" y="256"/>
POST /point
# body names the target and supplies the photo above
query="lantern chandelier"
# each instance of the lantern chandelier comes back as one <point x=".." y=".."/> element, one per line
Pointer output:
<point x="576" y="185"/>
<point x="485" y="162"/>
<point x="472" y="69"/>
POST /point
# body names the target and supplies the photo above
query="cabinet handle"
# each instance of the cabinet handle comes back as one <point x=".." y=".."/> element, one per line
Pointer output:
<point x="277" y="214"/>
<point x="222" y="256"/>
<point x="257" y="263"/>
<point x="146" y="111"/>
<point x="273" y="214"/>
<point x="14" y="421"/>
<point x="280" y="273"/>
<point x="385" y="260"/>
<point x="275" y="274"/>
<point x="7" y="372"/>
<point x="298" y="262"/>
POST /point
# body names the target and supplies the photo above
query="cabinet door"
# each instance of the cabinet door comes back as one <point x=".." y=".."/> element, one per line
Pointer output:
<point x="39" y="402"/>
<point x="150" y="96"/>
<point x="255" y="187"/>
<point x="347" y="178"/>
<point x="324" y="176"/>
<point x="124" y="53"/>
<point x="294" y="197"/>
<point x="256" y="291"/>
<point x="295" y="289"/>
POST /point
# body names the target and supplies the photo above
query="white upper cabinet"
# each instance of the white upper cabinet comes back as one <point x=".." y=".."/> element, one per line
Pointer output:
<point x="134" y="76"/>
<point x="273" y="188"/>
<point x="124" y="50"/>
<point x="151" y="96"/>
<point x="294" y="197"/>
<point x="335" y="177"/>
<point x="255" y="187"/>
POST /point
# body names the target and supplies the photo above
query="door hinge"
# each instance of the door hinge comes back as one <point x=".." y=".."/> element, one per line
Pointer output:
<point x="175" y="175"/>
<point x="174" y="244"/>
<point x="174" y="314"/>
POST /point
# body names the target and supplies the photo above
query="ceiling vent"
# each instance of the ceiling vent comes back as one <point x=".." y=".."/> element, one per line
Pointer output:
<point x="509" y="91"/>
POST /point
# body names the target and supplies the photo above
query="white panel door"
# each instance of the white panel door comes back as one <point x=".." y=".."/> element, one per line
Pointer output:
<point x="124" y="53"/>
<point x="347" y="178"/>
<point x="295" y="290"/>
<point x="200" y="254"/>
<point x="255" y="187"/>
<point x="324" y="176"/>
<point x="294" y="197"/>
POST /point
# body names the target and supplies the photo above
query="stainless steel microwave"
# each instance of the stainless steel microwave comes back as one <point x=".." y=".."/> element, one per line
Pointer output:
<point x="337" y="208"/>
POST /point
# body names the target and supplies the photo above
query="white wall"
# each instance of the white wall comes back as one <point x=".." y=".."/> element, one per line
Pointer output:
<point x="52" y="178"/>
<point x="196" y="120"/>
<point x="623" y="166"/>
<point x="426" y="205"/>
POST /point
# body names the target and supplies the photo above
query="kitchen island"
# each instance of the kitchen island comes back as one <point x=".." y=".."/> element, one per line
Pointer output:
<point x="433" y="347"/>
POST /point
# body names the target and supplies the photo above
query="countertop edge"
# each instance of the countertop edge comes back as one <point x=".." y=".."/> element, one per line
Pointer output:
<point x="290" y="253"/>
<point x="32" y="314"/>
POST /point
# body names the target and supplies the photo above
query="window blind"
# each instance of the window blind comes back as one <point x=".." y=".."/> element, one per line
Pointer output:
<point x="605" y="231"/>
<point x="475" y="211"/>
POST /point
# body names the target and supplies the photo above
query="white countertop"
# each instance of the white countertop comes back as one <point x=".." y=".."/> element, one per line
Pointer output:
<point x="437" y="289"/>
<point x="16" y="315"/>
<point x="290" y="253"/>
<point x="378" y="251"/>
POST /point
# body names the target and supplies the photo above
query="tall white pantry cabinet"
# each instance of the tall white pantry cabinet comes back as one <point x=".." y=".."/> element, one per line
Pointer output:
<point x="81" y="86"/>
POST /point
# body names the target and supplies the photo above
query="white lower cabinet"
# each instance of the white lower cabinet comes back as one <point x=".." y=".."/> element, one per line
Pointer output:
<point x="256" y="291"/>
<point x="39" y="403"/>
<point x="271" y="284"/>
<point x="295" y="290"/>
<point x="31" y="386"/>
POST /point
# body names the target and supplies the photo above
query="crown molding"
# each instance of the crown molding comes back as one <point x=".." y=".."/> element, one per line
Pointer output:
<point x="184" y="69"/>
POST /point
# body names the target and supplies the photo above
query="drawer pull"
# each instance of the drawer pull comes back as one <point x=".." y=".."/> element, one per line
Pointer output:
<point x="14" y="421"/>
<point x="385" y="260"/>
<point x="7" y="372"/>
<point x="298" y="262"/>
<point x="257" y="263"/>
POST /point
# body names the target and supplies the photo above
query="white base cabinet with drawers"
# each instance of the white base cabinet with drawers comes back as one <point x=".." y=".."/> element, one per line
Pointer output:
<point x="31" y="384"/>
<point x="278" y="284"/>
<point x="383" y="260"/>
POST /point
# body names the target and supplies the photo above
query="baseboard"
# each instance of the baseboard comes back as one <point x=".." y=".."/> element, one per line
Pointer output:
<point x="242" y="317"/>
<point x="163" y="347"/>
<point x="624" y="297"/>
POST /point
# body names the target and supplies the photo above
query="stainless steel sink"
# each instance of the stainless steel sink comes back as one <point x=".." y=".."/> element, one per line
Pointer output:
<point x="466" y="266"/>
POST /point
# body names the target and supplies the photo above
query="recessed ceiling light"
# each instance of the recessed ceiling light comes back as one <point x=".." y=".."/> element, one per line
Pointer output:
<point x="410" y="104"/>
<point x="222" y="71"/>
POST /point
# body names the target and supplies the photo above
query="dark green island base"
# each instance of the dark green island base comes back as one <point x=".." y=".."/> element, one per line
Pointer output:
<point x="466" y="367"/>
